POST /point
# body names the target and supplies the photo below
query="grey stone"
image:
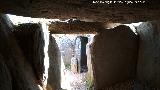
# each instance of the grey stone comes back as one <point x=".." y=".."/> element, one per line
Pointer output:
<point x="20" y="70"/>
<point x="148" y="67"/>
<point x="5" y="76"/>
<point x="114" y="54"/>
<point x="54" y="74"/>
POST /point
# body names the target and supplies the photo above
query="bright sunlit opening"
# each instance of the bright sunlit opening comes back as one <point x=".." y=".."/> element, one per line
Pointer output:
<point x="66" y="44"/>
<point x="133" y="26"/>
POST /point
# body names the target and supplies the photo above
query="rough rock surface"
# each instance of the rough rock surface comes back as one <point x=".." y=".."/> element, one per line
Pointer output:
<point x="54" y="79"/>
<point x="20" y="70"/>
<point x="5" y="77"/>
<point x="77" y="27"/>
<point x="30" y="39"/>
<point x="148" y="68"/>
<point x="114" y="55"/>
<point x="126" y="85"/>
<point x="129" y="85"/>
<point x="84" y="10"/>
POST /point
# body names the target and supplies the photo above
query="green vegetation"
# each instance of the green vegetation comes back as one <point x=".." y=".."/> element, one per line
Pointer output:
<point x="89" y="81"/>
<point x="68" y="66"/>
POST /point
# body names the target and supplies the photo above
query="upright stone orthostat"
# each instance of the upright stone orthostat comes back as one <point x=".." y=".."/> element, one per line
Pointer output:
<point x="31" y="41"/>
<point x="54" y="74"/>
<point x="148" y="67"/>
<point x="23" y="77"/>
<point x="114" y="55"/>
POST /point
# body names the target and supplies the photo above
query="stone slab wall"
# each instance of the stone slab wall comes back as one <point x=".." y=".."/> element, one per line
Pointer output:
<point x="148" y="71"/>
<point x="31" y="41"/>
<point x="20" y="70"/>
<point x="54" y="74"/>
<point x="114" y="55"/>
<point x="5" y="76"/>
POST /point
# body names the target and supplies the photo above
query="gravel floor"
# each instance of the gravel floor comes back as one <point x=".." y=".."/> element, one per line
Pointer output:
<point x="79" y="82"/>
<point x="74" y="81"/>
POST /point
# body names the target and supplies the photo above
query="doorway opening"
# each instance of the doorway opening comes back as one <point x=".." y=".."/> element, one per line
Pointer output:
<point x="76" y="66"/>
